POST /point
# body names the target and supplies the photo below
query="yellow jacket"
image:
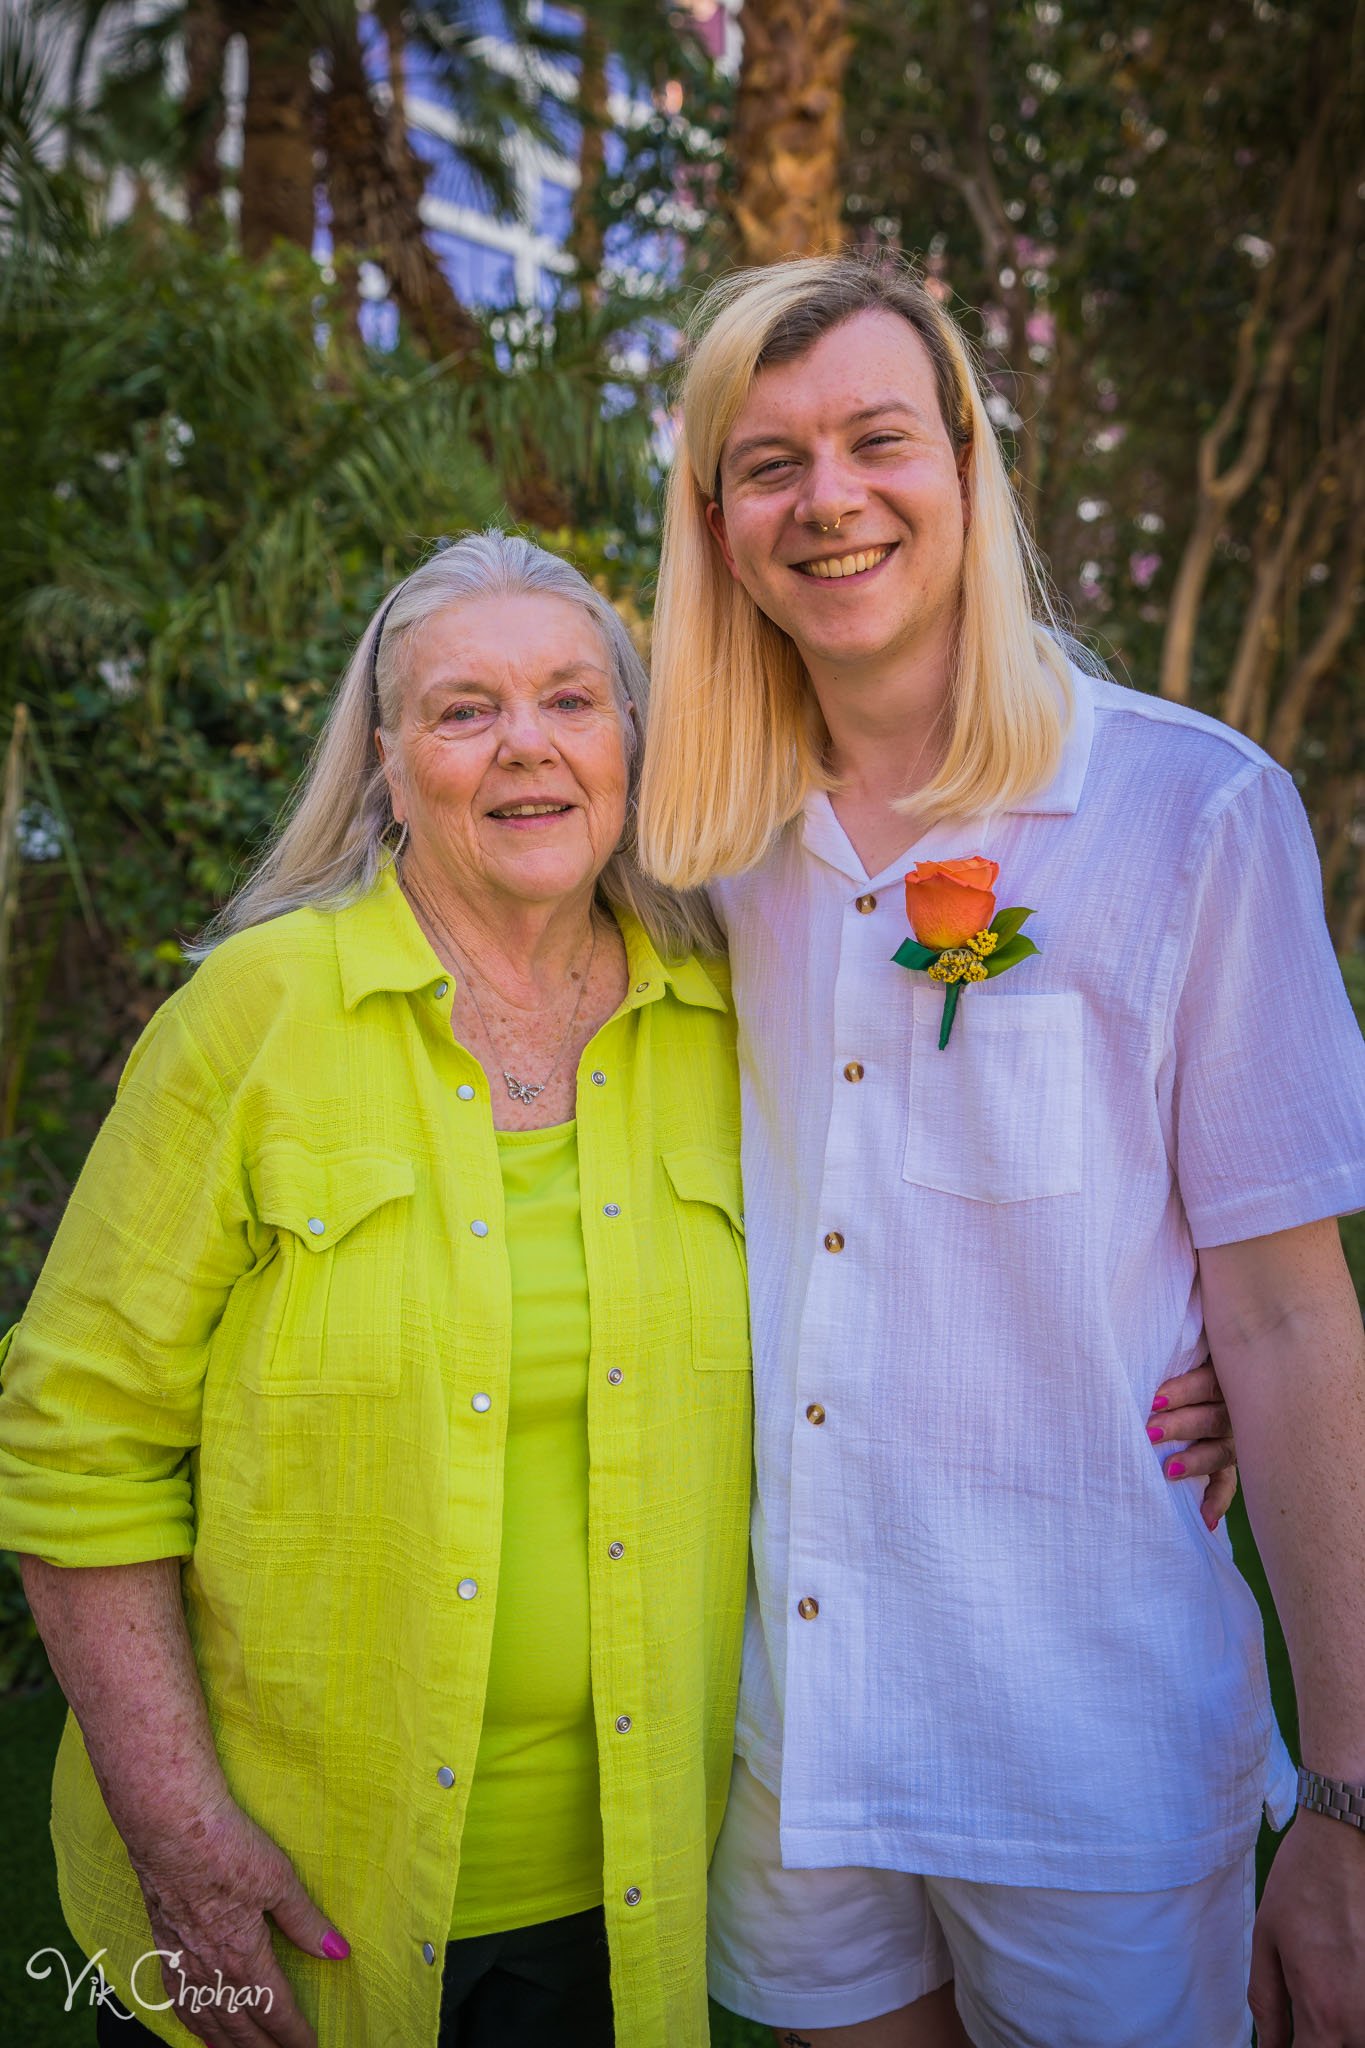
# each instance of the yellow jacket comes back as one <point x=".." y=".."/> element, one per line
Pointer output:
<point x="280" y="1281"/>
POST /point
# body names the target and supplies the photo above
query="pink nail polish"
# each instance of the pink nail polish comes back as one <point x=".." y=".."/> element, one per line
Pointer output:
<point x="1161" y="1402"/>
<point x="1176" y="1469"/>
<point x="334" y="1947"/>
<point x="1156" y="1432"/>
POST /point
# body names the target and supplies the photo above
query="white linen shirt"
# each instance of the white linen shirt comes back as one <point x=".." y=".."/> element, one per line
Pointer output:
<point x="970" y="1270"/>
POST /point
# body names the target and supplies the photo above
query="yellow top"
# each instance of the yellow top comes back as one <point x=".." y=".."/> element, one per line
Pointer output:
<point x="532" y="1845"/>
<point x="280" y="1282"/>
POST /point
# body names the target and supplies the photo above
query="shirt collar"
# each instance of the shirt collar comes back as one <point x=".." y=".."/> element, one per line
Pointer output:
<point x="825" y="837"/>
<point x="380" y="945"/>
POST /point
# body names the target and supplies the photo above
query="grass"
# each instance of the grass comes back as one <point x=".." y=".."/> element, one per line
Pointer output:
<point x="31" y="2014"/>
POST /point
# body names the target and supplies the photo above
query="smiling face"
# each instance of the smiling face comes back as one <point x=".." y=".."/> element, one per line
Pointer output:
<point x="842" y="509"/>
<point x="508" y="766"/>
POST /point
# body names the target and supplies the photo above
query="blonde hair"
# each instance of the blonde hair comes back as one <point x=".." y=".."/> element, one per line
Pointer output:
<point x="737" y="742"/>
<point x="338" y="829"/>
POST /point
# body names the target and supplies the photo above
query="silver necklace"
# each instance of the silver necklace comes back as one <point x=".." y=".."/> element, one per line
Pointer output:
<point x="524" y="1091"/>
<point x="527" y="1091"/>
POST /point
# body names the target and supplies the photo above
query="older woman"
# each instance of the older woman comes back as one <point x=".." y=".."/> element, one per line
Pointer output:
<point x="387" y="1389"/>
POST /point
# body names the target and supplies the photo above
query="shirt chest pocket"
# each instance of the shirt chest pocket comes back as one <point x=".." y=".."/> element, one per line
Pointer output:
<point x="707" y="1205"/>
<point x="996" y="1116"/>
<point x="343" y="1223"/>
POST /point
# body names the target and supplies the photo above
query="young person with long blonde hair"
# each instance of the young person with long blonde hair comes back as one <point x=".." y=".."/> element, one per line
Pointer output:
<point x="1004" y="1738"/>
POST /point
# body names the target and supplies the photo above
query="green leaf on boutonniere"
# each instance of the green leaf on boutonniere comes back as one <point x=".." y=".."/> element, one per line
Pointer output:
<point x="1009" y="955"/>
<point x="1006" y="923"/>
<point x="911" y="954"/>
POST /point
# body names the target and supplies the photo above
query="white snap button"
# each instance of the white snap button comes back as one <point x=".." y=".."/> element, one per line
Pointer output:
<point x="599" y="1079"/>
<point x="467" y="1588"/>
<point x="465" y="1092"/>
<point x="611" y="1208"/>
<point x="640" y="987"/>
<point x="615" y="1376"/>
<point x="316" y="1225"/>
<point x="445" y="1776"/>
<point x="633" y="1895"/>
<point x="616" y="1550"/>
<point x="442" y="988"/>
<point x="481" y="1403"/>
<point x="428" y="1952"/>
<point x="623" y="1724"/>
<point x="479" y="1228"/>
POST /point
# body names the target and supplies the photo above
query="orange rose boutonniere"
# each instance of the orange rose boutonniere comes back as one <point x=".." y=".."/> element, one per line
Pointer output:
<point x="959" y="934"/>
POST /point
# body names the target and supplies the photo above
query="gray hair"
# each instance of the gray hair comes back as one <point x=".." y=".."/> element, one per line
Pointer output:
<point x="338" y="829"/>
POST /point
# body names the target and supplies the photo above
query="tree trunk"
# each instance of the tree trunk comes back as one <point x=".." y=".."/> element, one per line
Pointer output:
<point x="206" y="37"/>
<point x="277" y="127"/>
<point x="375" y="185"/>
<point x="585" y="232"/>
<point x="789" y="129"/>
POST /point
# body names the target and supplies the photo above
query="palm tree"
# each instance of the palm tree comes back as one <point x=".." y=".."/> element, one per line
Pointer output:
<point x="375" y="183"/>
<point x="788" y="134"/>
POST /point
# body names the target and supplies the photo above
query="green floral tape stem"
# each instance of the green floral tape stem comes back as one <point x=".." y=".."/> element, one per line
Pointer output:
<point x="1001" y="946"/>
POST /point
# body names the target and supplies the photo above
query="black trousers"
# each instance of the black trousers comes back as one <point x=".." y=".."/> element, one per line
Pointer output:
<point x="537" y="1987"/>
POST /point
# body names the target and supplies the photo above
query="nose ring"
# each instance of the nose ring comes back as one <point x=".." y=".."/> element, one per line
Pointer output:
<point x="830" y="529"/>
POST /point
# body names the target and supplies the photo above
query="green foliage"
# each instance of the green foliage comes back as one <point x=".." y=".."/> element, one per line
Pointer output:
<point x="23" y="1660"/>
<point x="212" y="485"/>
<point x="1103" y="183"/>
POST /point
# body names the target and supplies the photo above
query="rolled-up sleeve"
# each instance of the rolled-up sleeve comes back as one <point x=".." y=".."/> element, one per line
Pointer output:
<point x="101" y="1382"/>
<point x="1270" y="1069"/>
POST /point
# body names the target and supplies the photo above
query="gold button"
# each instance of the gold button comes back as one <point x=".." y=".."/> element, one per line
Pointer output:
<point x="808" y="1608"/>
<point x="834" y="1241"/>
<point x="815" y="1413"/>
<point x="853" y="1071"/>
<point x="866" y="903"/>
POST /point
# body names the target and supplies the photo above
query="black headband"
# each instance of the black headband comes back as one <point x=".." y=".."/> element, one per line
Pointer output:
<point x="378" y="635"/>
<point x="438" y="547"/>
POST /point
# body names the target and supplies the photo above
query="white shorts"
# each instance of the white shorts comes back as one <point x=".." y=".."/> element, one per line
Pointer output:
<point x="1032" y="1968"/>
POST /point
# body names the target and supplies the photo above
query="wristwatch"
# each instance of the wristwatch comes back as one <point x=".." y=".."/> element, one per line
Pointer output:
<point x="1331" y="1796"/>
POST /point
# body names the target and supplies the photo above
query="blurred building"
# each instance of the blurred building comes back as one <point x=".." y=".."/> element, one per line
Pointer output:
<point x="498" y="261"/>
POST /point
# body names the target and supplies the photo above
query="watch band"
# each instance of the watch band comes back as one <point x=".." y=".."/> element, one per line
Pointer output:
<point x="1332" y="1797"/>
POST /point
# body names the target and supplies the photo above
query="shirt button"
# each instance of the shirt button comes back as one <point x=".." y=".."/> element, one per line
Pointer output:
<point x="853" y="1071"/>
<point x="480" y="1229"/>
<point x="623" y="1724"/>
<point x="808" y="1608"/>
<point x="442" y="988"/>
<point x="465" y="1092"/>
<point x="615" y="1376"/>
<point x="815" y="1413"/>
<point x="445" y="1776"/>
<point x="467" y="1588"/>
<point x="428" y="1952"/>
<point x="633" y="1895"/>
<point x="599" y="1079"/>
<point x="481" y="1403"/>
<point x="611" y="1208"/>
<point x="616" y="1550"/>
<point x="834" y="1240"/>
<point x="866" y="903"/>
<point x="316" y="1225"/>
<point x="640" y="987"/>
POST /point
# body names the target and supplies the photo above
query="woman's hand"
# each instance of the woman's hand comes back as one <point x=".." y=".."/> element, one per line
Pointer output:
<point x="1189" y="1409"/>
<point x="208" y="1888"/>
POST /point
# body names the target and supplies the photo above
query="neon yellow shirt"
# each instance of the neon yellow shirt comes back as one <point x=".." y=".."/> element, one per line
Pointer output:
<point x="532" y="1845"/>
<point x="280" y="1283"/>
